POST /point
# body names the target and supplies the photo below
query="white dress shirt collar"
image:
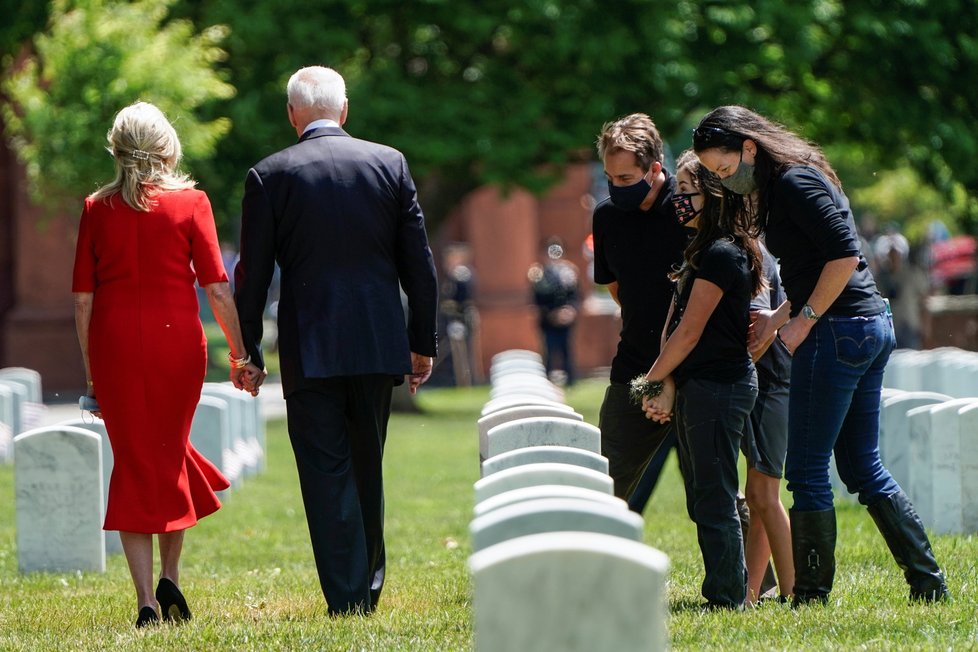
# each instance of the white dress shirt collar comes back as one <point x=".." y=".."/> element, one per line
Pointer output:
<point x="318" y="124"/>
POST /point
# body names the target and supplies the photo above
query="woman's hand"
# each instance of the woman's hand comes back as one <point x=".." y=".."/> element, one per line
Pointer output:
<point x="761" y="331"/>
<point x="91" y="394"/>
<point x="659" y="408"/>
<point x="794" y="332"/>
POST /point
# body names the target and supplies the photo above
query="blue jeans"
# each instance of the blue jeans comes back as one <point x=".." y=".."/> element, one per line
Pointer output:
<point x="836" y="379"/>
<point x="710" y="420"/>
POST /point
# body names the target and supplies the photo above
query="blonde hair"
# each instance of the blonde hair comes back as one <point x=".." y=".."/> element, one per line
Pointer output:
<point x="146" y="151"/>
<point x="634" y="133"/>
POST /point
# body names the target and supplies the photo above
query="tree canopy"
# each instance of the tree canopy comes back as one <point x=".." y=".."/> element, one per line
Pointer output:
<point x="505" y="91"/>
<point x="96" y="57"/>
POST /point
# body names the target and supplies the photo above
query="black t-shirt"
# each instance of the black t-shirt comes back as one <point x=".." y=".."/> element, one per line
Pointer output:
<point x="639" y="249"/>
<point x="809" y="224"/>
<point x="774" y="367"/>
<point x="721" y="354"/>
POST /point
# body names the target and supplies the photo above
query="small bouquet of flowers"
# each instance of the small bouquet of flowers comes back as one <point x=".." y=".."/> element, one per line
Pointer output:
<point x="641" y="387"/>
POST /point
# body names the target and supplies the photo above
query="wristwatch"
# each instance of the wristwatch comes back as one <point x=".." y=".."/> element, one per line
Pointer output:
<point x="809" y="313"/>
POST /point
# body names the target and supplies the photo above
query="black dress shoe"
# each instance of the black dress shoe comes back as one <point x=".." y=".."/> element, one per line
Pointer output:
<point x="173" y="606"/>
<point x="147" y="616"/>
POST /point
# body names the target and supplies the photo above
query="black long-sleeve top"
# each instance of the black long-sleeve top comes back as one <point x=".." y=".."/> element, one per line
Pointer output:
<point x="809" y="224"/>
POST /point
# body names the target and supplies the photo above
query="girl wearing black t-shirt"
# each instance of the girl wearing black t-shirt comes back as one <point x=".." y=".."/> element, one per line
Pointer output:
<point x="837" y="327"/>
<point x="705" y="371"/>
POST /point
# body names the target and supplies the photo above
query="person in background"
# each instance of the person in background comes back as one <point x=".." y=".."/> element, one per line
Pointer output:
<point x="836" y="327"/>
<point x="765" y="445"/>
<point x="459" y="317"/>
<point x="556" y="293"/>
<point x="143" y="241"/>
<point x="637" y="243"/>
<point x="905" y="284"/>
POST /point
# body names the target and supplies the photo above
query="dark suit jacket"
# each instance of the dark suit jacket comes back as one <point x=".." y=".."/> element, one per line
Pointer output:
<point x="341" y="217"/>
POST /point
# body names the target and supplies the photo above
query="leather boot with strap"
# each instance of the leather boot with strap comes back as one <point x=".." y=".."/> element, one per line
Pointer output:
<point x="904" y="534"/>
<point x="813" y="546"/>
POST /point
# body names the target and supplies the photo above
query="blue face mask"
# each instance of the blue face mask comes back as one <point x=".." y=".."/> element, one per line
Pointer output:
<point x="742" y="181"/>
<point x="629" y="198"/>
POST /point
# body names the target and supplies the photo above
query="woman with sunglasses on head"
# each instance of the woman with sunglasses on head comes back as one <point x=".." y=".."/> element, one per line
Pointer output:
<point x="705" y="371"/>
<point x="838" y="330"/>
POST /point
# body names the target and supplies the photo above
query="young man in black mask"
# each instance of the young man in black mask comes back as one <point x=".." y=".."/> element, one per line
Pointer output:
<point x="637" y="241"/>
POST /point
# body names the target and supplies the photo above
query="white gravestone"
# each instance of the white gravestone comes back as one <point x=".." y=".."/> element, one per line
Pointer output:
<point x="542" y="473"/>
<point x="552" y="515"/>
<point x="210" y="435"/>
<point x="895" y="430"/>
<point x="6" y="424"/>
<point x="213" y="416"/>
<point x="522" y="400"/>
<point x="238" y="423"/>
<point x="515" y="354"/>
<point x="32" y="406"/>
<point x="946" y="508"/>
<point x="923" y="440"/>
<point x="254" y="424"/>
<point x="918" y="424"/>
<point x="542" y="431"/>
<point x="59" y="503"/>
<point x="527" y="367"/>
<point x="536" y="492"/>
<point x="113" y="544"/>
<point x="536" y="454"/>
<point x="523" y="412"/>
<point x="522" y="389"/>
<point x="18" y="398"/>
<point x="962" y="375"/>
<point x="889" y="392"/>
<point x="570" y="592"/>
<point x="968" y="428"/>
<point x="28" y="377"/>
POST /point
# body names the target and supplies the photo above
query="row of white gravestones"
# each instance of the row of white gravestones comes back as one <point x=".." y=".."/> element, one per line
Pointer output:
<point x="947" y="370"/>
<point x="21" y="406"/>
<point x="229" y="430"/>
<point x="929" y="434"/>
<point x="558" y="562"/>
<point x="929" y="443"/>
<point x="62" y="476"/>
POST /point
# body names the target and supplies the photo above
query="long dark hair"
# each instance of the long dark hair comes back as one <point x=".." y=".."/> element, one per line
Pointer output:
<point x="778" y="148"/>
<point x="724" y="215"/>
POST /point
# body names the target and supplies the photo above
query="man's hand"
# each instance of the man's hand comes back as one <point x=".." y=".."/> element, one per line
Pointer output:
<point x="421" y="366"/>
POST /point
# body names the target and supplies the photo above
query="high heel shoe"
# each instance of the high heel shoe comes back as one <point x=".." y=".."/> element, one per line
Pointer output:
<point x="173" y="606"/>
<point x="147" y="616"/>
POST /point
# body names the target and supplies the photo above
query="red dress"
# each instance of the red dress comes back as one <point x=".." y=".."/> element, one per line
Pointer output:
<point x="148" y="353"/>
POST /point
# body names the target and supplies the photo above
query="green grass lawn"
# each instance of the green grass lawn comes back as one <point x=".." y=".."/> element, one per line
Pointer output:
<point x="249" y="576"/>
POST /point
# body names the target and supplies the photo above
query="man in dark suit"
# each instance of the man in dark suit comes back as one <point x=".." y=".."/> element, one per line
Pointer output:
<point x="341" y="218"/>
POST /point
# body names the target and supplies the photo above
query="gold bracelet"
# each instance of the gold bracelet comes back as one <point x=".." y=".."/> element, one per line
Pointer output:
<point x="238" y="363"/>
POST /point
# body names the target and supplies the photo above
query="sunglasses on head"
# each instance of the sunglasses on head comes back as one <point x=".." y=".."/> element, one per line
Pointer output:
<point x="704" y="137"/>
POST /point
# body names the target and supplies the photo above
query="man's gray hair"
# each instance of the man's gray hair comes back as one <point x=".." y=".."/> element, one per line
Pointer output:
<point x="319" y="87"/>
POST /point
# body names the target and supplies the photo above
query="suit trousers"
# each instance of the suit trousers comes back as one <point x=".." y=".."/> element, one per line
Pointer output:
<point x="338" y="427"/>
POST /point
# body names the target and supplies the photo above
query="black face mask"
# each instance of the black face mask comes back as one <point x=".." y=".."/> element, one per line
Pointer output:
<point x="683" y="204"/>
<point x="629" y="198"/>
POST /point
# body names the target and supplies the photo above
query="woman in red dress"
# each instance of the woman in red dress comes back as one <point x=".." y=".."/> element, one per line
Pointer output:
<point x="143" y="241"/>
